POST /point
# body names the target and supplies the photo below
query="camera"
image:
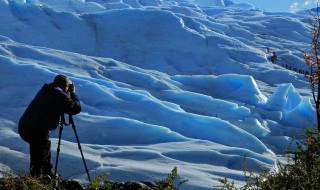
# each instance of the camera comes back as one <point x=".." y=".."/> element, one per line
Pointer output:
<point x="71" y="87"/>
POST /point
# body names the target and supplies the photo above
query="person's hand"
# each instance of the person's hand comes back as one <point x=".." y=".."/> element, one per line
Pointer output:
<point x="72" y="88"/>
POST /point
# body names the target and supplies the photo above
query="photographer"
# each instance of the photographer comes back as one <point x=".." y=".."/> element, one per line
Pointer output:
<point x="42" y="116"/>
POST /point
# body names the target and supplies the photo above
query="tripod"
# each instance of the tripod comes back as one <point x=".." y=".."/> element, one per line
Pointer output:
<point x="62" y="122"/>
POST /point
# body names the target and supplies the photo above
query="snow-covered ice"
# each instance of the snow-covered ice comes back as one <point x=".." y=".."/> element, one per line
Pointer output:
<point x="163" y="83"/>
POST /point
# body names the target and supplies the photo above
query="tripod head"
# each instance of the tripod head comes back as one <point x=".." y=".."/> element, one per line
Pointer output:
<point x="63" y="120"/>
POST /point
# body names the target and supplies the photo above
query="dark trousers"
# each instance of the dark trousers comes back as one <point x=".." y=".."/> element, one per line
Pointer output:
<point x="40" y="154"/>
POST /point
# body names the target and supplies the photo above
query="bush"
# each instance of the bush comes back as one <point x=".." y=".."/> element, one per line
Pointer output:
<point x="26" y="182"/>
<point x="98" y="183"/>
<point x="23" y="182"/>
<point x="168" y="182"/>
<point x="302" y="170"/>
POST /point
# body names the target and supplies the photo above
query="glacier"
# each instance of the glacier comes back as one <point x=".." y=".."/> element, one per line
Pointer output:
<point x="163" y="83"/>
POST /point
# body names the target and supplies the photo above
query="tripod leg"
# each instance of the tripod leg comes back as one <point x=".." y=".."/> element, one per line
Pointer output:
<point x="58" y="150"/>
<point x="79" y="146"/>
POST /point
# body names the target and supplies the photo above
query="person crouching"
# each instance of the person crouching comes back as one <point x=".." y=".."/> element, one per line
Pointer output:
<point x="42" y="116"/>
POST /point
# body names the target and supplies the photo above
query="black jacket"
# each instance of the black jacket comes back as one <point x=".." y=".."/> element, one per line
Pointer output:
<point x="44" y="111"/>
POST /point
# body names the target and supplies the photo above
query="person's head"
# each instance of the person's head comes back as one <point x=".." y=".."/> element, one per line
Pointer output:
<point x="62" y="81"/>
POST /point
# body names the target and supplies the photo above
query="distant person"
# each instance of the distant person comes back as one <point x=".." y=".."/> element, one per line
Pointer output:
<point x="274" y="57"/>
<point x="42" y="116"/>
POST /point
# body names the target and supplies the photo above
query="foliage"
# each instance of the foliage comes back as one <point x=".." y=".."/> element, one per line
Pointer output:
<point x="22" y="182"/>
<point x="312" y="60"/>
<point x="302" y="170"/>
<point x="26" y="182"/>
<point x="168" y="182"/>
<point x="99" y="183"/>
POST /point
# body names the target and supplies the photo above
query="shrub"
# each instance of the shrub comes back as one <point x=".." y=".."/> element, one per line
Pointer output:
<point x="302" y="170"/>
<point x="169" y="182"/>
<point x="26" y="182"/>
<point x="99" y="183"/>
<point x="22" y="182"/>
